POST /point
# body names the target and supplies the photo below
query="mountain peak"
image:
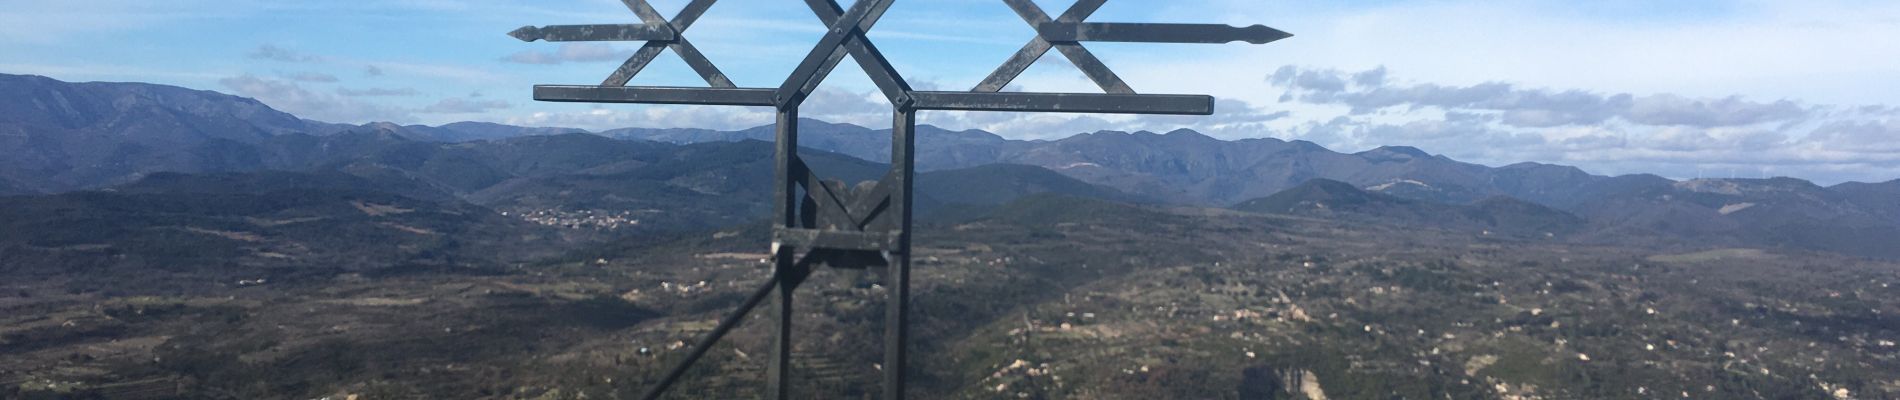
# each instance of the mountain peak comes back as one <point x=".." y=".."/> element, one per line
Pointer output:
<point x="1745" y="186"/>
<point x="1408" y="151"/>
<point x="26" y="78"/>
<point x="1188" y="133"/>
<point x="1316" y="194"/>
<point x="1305" y="145"/>
<point x="808" y="123"/>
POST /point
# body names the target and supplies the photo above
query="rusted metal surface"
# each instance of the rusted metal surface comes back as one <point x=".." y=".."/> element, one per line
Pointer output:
<point x="868" y="225"/>
<point x="845" y="36"/>
<point x="1077" y="55"/>
<point x="1038" y="47"/>
<point x="594" y="33"/>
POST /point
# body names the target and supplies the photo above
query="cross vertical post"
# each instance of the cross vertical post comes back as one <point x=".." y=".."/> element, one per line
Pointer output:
<point x="816" y="222"/>
<point x="778" y="382"/>
<point x="897" y="309"/>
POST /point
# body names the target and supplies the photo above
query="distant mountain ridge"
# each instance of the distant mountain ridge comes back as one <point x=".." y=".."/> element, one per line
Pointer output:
<point x="174" y="230"/>
<point x="1498" y="215"/>
<point x="58" y="137"/>
<point x="1188" y="167"/>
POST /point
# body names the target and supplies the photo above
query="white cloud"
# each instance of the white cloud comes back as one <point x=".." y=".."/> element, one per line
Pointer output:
<point x="377" y="92"/>
<point x="458" y="105"/>
<point x="572" y="52"/>
<point x="1670" y="134"/>
<point x="290" y="97"/>
<point x="1829" y="51"/>
<point x="603" y="118"/>
<point x="271" y="52"/>
<point x="1528" y="107"/>
<point x="311" y="77"/>
<point x="70" y="72"/>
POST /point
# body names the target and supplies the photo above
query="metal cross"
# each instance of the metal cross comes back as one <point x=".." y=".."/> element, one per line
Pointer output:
<point x="867" y="225"/>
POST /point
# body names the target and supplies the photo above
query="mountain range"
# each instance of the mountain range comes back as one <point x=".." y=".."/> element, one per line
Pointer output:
<point x="163" y="243"/>
<point x="58" y="137"/>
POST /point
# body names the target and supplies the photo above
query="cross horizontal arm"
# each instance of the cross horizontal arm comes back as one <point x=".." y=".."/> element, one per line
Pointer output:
<point x="835" y="240"/>
<point x="596" y="33"/>
<point x="1158" y="33"/>
<point x="1166" y="104"/>
<point x="655" y="95"/>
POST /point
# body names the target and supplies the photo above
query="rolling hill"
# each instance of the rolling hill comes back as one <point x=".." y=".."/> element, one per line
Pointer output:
<point x="1322" y="198"/>
<point x="173" y="230"/>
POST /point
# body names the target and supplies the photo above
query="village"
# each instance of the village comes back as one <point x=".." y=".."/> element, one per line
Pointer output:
<point x="582" y="219"/>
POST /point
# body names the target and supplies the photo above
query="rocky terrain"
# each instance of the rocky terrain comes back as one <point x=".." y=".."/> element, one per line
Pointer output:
<point x="1046" y="297"/>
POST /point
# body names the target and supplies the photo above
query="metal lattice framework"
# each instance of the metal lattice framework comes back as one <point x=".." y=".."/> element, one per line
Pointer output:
<point x="867" y="225"/>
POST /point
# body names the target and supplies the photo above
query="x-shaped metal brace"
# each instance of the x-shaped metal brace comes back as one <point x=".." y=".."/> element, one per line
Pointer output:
<point x="656" y="30"/>
<point x="1065" y="33"/>
<point x="842" y="208"/>
<point x="845" y="36"/>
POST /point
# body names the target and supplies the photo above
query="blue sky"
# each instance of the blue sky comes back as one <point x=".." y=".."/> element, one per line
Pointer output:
<point x="1681" y="87"/>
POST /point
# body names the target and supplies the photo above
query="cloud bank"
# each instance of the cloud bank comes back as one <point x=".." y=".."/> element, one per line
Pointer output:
<point x="1670" y="134"/>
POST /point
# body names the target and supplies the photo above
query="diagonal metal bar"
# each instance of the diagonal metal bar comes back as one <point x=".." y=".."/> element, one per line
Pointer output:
<point x="1158" y="33"/>
<point x="719" y="332"/>
<point x="830" y="49"/>
<point x="888" y="80"/>
<point x="634" y="64"/>
<point x="687" y="52"/>
<point x="870" y="204"/>
<point x="685" y="49"/>
<point x="647" y="53"/>
<point x="646" y="12"/>
<point x="1095" y="69"/>
<point x="1078" y="55"/>
<point x="1036" y="48"/>
<point x="779" y="373"/>
<point x="836" y="240"/>
<point x="691" y="13"/>
<point x="825" y="195"/>
<point x="700" y="64"/>
<point x="861" y="208"/>
<point x="1014" y="67"/>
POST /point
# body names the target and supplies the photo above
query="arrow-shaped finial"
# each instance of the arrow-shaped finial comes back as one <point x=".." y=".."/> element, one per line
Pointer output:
<point x="527" y="34"/>
<point x="1262" y="34"/>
